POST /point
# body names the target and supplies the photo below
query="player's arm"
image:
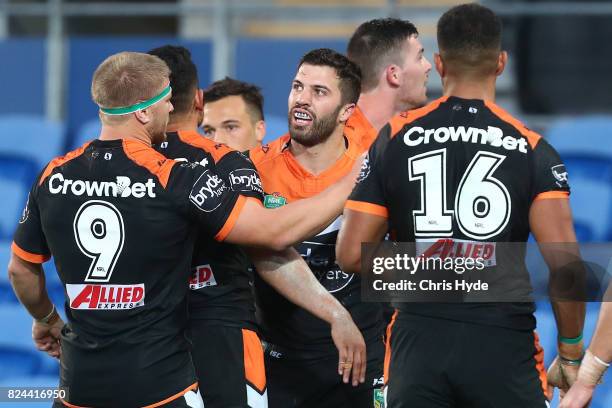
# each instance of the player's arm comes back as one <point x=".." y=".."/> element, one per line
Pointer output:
<point x="239" y="218"/>
<point x="550" y="221"/>
<point x="281" y="227"/>
<point x="28" y="282"/>
<point x="596" y="360"/>
<point x="287" y="272"/>
<point x="357" y="227"/>
<point x="28" y="251"/>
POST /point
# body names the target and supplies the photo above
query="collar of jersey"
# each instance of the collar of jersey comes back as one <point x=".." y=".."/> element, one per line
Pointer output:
<point x="296" y="168"/>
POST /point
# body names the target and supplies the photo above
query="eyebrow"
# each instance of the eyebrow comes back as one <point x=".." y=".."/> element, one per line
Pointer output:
<point x="321" y="87"/>
<point x="230" y="121"/>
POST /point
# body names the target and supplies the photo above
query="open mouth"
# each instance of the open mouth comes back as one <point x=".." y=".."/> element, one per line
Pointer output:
<point x="301" y="117"/>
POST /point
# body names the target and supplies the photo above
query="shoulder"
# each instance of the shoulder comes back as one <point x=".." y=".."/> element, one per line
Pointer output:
<point x="532" y="137"/>
<point x="397" y="123"/>
<point x="61" y="160"/>
<point x="194" y="139"/>
<point x="269" y="152"/>
<point x="150" y="159"/>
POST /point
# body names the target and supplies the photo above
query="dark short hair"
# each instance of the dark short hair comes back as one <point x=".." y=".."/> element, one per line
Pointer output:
<point x="251" y="95"/>
<point x="183" y="75"/>
<point x="347" y="71"/>
<point x="469" y="37"/>
<point x="377" y="43"/>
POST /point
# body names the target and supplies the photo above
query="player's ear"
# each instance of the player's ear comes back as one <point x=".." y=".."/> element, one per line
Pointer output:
<point x="439" y="64"/>
<point x="143" y="116"/>
<point x="392" y="74"/>
<point x="502" y="60"/>
<point x="346" y="112"/>
<point x="198" y="100"/>
<point x="260" y="131"/>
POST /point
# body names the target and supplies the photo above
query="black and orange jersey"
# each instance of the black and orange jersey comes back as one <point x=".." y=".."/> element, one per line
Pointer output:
<point x="284" y="324"/>
<point x="120" y="221"/>
<point x="222" y="279"/>
<point x="465" y="172"/>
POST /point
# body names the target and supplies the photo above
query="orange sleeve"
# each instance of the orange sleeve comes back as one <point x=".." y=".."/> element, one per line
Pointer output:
<point x="28" y="256"/>
<point x="367" y="208"/>
<point x="547" y="195"/>
<point x="231" y="220"/>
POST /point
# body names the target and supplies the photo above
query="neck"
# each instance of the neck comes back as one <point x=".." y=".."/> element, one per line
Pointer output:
<point x="319" y="158"/>
<point x="468" y="88"/>
<point x="125" y="131"/>
<point x="184" y="122"/>
<point x="378" y="106"/>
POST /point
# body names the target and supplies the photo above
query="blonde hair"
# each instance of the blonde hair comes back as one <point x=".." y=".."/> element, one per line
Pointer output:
<point x="126" y="78"/>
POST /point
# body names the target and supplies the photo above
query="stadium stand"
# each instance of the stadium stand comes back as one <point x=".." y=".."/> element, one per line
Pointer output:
<point x="28" y="143"/>
<point x="32" y="137"/>
<point x="584" y="144"/>
<point x="16" y="176"/>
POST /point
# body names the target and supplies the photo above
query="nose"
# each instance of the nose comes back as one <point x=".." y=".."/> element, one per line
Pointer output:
<point x="427" y="64"/>
<point x="303" y="97"/>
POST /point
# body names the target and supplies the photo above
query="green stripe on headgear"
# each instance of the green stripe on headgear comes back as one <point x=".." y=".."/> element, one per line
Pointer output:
<point x="138" y="106"/>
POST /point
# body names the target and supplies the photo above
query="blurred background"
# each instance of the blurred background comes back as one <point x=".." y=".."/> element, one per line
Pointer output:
<point x="559" y="81"/>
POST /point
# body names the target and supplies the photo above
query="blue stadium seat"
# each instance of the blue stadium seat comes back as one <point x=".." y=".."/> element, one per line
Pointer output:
<point x="16" y="177"/>
<point x="589" y="135"/>
<point x="17" y="347"/>
<point x="18" y="361"/>
<point x="31" y="137"/>
<point x="585" y="146"/>
<point x="87" y="131"/>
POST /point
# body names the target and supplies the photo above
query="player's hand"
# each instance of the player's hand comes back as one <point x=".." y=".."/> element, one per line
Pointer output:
<point x="563" y="375"/>
<point x="560" y="376"/>
<point x="351" y="348"/>
<point x="578" y="396"/>
<point x="47" y="336"/>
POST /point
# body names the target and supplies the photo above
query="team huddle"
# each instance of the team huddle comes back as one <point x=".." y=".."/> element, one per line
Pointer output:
<point x="215" y="271"/>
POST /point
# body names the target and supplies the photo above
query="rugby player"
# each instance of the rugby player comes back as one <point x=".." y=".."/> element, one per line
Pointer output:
<point x="394" y="73"/>
<point x="227" y="352"/>
<point x="317" y="151"/>
<point x="233" y="114"/>
<point x="479" y="354"/>
<point x="120" y="221"/>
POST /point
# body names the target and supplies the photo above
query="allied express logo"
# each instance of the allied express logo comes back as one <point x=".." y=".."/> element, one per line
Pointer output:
<point x="202" y="276"/>
<point x="105" y="297"/>
<point x="274" y="200"/>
